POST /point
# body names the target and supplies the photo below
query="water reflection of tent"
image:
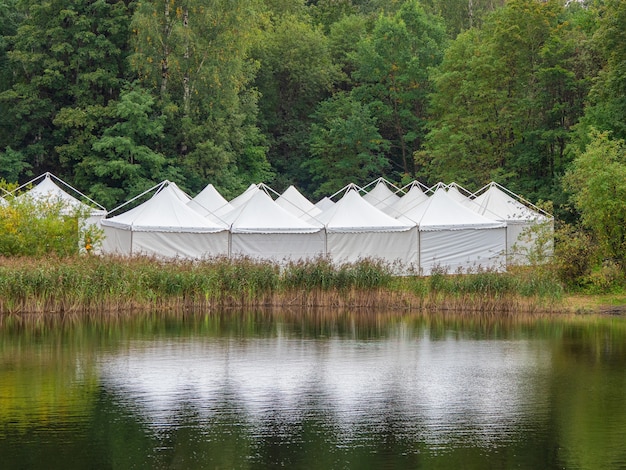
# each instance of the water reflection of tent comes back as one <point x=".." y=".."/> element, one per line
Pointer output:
<point x="165" y="226"/>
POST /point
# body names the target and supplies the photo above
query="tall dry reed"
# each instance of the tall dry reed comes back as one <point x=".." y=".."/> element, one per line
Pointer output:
<point x="113" y="284"/>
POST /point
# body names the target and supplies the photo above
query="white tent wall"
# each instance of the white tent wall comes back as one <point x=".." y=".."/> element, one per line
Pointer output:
<point x="278" y="247"/>
<point x="117" y="241"/>
<point x="525" y="240"/>
<point x="462" y="250"/>
<point x="165" y="245"/>
<point x="390" y="247"/>
<point x="185" y="245"/>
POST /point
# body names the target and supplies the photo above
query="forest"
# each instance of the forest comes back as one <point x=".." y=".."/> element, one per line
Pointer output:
<point x="114" y="96"/>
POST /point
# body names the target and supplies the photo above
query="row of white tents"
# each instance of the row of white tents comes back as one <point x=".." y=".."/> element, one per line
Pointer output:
<point x="417" y="229"/>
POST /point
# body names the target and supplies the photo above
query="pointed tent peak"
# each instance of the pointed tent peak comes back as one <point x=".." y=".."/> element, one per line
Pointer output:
<point x="210" y="201"/>
<point x="352" y="213"/>
<point x="437" y="187"/>
<point x="47" y="188"/>
<point x="458" y="191"/>
<point x="175" y="190"/>
<point x="324" y="204"/>
<point x="414" y="184"/>
<point x="381" y="196"/>
<point x="261" y="214"/>
<point x="347" y="188"/>
<point x="294" y="201"/>
<point x="413" y="198"/>
<point x="379" y="181"/>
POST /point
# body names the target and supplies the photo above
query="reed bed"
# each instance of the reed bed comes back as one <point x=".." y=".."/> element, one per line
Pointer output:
<point x="115" y="284"/>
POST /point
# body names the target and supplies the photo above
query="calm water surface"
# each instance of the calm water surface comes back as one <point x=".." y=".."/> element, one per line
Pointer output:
<point x="312" y="390"/>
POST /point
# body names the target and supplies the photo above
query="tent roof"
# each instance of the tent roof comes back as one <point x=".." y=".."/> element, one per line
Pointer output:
<point x="498" y="205"/>
<point x="165" y="211"/>
<point x="381" y="196"/>
<point x="261" y="214"/>
<point x="441" y="212"/>
<point x="293" y="201"/>
<point x="352" y="213"/>
<point x="414" y="197"/>
<point x="210" y="201"/>
<point x="324" y="203"/>
<point x="458" y="193"/>
<point x="245" y="196"/>
<point x="47" y="189"/>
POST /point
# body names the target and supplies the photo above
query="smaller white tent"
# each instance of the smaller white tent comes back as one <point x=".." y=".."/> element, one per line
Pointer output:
<point x="381" y="196"/>
<point x="49" y="191"/>
<point x="245" y="196"/>
<point x="497" y="203"/>
<point x="210" y="203"/>
<point x="453" y="237"/>
<point x="164" y="226"/>
<point x="357" y="230"/>
<point x="324" y="204"/>
<point x="262" y="229"/>
<point x="413" y="197"/>
<point x="458" y="193"/>
<point x="293" y="201"/>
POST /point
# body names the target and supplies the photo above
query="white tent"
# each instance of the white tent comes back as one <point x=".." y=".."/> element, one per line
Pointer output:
<point x="381" y="196"/>
<point x="497" y="203"/>
<point x="453" y="237"/>
<point x="413" y="197"/>
<point x="164" y="226"/>
<point x="48" y="190"/>
<point x="458" y="193"/>
<point x="245" y="196"/>
<point x="356" y="230"/>
<point x="324" y="204"/>
<point x="293" y="201"/>
<point x="262" y="229"/>
<point x="210" y="203"/>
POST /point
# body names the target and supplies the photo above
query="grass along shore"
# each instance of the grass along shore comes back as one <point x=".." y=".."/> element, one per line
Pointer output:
<point x="115" y="284"/>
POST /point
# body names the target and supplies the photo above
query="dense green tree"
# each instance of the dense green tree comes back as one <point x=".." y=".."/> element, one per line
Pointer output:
<point x="391" y="75"/>
<point x="461" y="15"/>
<point x="68" y="62"/>
<point x="346" y="146"/>
<point x="597" y="184"/>
<point x="122" y="162"/>
<point x="506" y="98"/>
<point x="296" y="73"/>
<point x="194" y="55"/>
<point x="607" y="98"/>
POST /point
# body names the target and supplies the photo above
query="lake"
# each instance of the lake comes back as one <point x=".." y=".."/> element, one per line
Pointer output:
<point x="308" y="390"/>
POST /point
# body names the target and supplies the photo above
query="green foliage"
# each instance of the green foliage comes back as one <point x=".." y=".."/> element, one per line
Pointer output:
<point x="506" y="96"/>
<point x="42" y="227"/>
<point x="297" y="73"/>
<point x="123" y="158"/>
<point x="391" y="75"/>
<point x="65" y="55"/>
<point x="575" y="255"/>
<point x="597" y="184"/>
<point x="345" y="145"/>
